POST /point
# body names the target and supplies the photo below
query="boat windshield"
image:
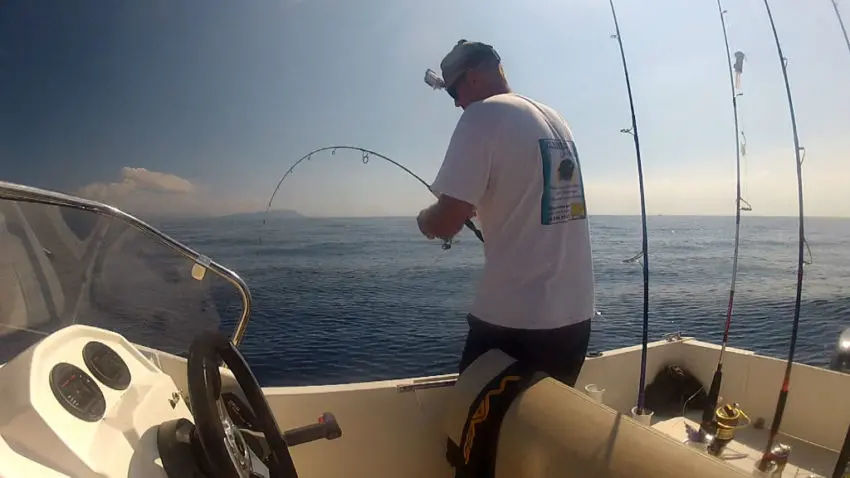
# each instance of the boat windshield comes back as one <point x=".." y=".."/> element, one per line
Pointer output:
<point x="63" y="265"/>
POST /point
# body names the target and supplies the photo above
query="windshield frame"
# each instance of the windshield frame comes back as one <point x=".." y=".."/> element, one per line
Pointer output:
<point x="20" y="192"/>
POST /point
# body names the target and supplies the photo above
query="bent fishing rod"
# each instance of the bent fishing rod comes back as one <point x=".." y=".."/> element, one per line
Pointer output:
<point x="707" y="425"/>
<point x="841" y="22"/>
<point x="365" y="155"/>
<point x="644" y="240"/>
<point x="769" y="454"/>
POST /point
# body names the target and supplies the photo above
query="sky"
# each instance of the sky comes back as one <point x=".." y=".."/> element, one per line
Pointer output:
<point x="198" y="108"/>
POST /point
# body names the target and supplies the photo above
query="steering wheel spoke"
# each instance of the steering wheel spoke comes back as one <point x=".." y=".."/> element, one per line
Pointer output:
<point x="227" y="453"/>
<point x="259" y="469"/>
<point x="237" y="450"/>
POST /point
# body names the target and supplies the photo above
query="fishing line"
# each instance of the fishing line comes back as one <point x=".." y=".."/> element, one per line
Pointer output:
<point x="365" y="154"/>
<point x="742" y="141"/>
<point x="769" y="453"/>
<point x="644" y="241"/>
<point x="707" y="426"/>
<point x="740" y="58"/>
<point x="841" y="22"/>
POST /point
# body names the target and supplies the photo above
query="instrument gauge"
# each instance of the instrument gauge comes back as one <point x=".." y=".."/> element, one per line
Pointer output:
<point x="106" y="365"/>
<point x="77" y="392"/>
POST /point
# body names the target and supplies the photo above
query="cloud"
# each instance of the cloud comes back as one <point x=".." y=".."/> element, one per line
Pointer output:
<point x="139" y="179"/>
<point x="151" y="193"/>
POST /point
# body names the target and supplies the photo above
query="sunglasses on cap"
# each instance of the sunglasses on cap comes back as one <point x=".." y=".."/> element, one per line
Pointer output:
<point x="452" y="90"/>
<point x="472" y="63"/>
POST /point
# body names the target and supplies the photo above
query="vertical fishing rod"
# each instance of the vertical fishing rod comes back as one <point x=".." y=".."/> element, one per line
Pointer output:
<point x="843" y="457"/>
<point x="841" y="22"/>
<point x="768" y="455"/>
<point x="708" y="413"/>
<point x="634" y="132"/>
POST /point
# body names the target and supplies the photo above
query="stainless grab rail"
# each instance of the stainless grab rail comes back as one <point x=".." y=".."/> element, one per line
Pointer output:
<point x="19" y="192"/>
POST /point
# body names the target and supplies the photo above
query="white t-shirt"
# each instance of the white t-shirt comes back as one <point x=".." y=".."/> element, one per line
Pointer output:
<point x="526" y="184"/>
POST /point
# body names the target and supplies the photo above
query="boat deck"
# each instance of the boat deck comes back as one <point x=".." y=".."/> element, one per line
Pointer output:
<point x="806" y="460"/>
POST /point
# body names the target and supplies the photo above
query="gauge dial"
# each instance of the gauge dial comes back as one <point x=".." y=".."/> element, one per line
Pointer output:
<point x="77" y="392"/>
<point x="106" y="365"/>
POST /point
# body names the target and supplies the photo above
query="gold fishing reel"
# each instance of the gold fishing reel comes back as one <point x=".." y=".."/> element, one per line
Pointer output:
<point x="727" y="420"/>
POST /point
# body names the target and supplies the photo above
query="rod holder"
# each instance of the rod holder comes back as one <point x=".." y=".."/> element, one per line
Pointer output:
<point x="774" y="463"/>
<point x="644" y="417"/>
<point x="764" y="474"/>
<point x="594" y="392"/>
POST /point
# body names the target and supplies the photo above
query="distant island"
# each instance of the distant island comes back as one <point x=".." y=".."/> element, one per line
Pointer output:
<point x="273" y="214"/>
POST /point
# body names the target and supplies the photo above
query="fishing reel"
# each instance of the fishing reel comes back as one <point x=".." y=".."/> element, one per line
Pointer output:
<point x="717" y="433"/>
<point x="726" y="420"/>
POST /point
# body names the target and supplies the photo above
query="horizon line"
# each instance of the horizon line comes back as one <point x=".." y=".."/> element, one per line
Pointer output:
<point x="395" y="216"/>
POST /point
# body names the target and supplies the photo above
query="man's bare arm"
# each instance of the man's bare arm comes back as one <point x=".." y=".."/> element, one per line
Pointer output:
<point x="445" y="218"/>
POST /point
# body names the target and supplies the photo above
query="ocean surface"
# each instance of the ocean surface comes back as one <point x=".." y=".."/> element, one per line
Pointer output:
<point x="346" y="300"/>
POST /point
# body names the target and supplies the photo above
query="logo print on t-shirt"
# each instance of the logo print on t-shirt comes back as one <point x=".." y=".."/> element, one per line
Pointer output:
<point x="563" y="188"/>
<point x="566" y="169"/>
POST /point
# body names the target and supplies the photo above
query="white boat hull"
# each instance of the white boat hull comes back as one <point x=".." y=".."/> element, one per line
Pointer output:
<point x="396" y="427"/>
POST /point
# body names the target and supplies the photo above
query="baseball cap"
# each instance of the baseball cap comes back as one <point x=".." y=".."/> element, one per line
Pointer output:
<point x="465" y="55"/>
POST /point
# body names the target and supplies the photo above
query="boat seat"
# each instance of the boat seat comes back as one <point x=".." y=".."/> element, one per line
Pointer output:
<point x="552" y="430"/>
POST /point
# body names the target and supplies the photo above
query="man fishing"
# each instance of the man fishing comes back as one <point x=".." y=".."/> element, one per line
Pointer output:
<point x="512" y="162"/>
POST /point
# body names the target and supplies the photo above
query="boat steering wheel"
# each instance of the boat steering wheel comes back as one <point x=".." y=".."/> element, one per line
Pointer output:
<point x="226" y="452"/>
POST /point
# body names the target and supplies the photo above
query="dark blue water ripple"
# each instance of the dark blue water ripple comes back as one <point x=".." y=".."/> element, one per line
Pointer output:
<point x="344" y="300"/>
